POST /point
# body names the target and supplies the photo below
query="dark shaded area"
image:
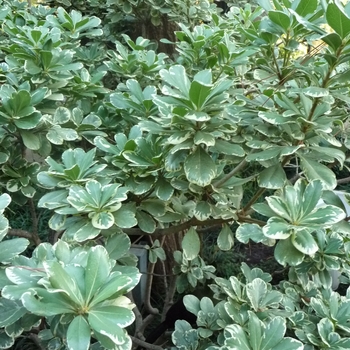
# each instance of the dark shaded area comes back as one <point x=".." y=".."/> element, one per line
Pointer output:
<point x="177" y="311"/>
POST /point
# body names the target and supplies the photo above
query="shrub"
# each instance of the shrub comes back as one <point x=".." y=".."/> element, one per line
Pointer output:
<point x="118" y="140"/>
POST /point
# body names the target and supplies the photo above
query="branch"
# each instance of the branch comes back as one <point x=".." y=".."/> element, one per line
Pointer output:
<point x="19" y="233"/>
<point x="138" y="316"/>
<point x="35" y="236"/>
<point x="177" y="228"/>
<point x="345" y="180"/>
<point x="147" y="301"/>
<point x="146" y="345"/>
<point x="228" y="176"/>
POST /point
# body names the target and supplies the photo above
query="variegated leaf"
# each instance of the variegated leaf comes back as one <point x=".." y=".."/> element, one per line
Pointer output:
<point x="304" y="242"/>
<point x="200" y="168"/>
<point x="277" y="228"/>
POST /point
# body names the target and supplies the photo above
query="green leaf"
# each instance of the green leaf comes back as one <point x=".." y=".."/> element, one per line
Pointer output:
<point x="102" y="220"/>
<point x="304" y="242"/>
<point x="109" y="320"/>
<point x="62" y="115"/>
<point x="191" y="244"/>
<point x="274" y="333"/>
<point x="117" y="285"/>
<point x="333" y="40"/>
<point x="176" y="76"/>
<point x="28" y="122"/>
<point x="286" y="253"/>
<point x="204" y="138"/>
<point x="306" y="7"/>
<point x="30" y="140"/>
<point x="272" y="177"/>
<point x="310" y="197"/>
<point x="145" y="221"/>
<point x="5" y="200"/>
<point x="324" y="216"/>
<point x="199" y="168"/>
<point x="96" y="271"/>
<point x="250" y="231"/>
<point x="10" y="311"/>
<point x="256" y="292"/>
<point x="10" y="248"/>
<point x="117" y="245"/>
<point x="277" y="228"/>
<point x="164" y="190"/>
<point x="281" y="19"/>
<point x="315" y="170"/>
<point x="202" y="210"/>
<point x="6" y="341"/>
<point x="47" y="306"/>
<point x="265" y="4"/>
<point x="316" y="92"/>
<point x="57" y="135"/>
<point x="255" y="327"/>
<point x="61" y="280"/>
<point x="274" y="118"/>
<point x="78" y="334"/>
<point x="236" y="338"/>
<point x="229" y="148"/>
<point x="82" y="231"/>
<point x="338" y="20"/>
<point x="198" y="94"/>
<point x="225" y="239"/>
<point x="125" y="217"/>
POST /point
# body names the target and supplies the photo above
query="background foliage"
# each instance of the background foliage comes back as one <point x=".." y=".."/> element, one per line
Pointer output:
<point x="166" y="126"/>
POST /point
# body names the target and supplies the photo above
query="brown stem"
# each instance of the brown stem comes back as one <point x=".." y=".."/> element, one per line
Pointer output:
<point x="146" y="322"/>
<point x="19" y="233"/>
<point x="36" y="340"/>
<point x="169" y="297"/>
<point x="147" y="302"/>
<point x="252" y="200"/>
<point x="35" y="236"/>
<point x="138" y="316"/>
<point x="345" y="180"/>
<point x="251" y="221"/>
<point x="146" y="345"/>
<point x="177" y="228"/>
<point x="165" y="281"/>
<point x="228" y="176"/>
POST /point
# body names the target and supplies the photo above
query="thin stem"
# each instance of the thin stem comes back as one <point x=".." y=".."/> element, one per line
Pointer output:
<point x="169" y="297"/>
<point x="19" y="233"/>
<point x="177" y="228"/>
<point x="138" y="316"/>
<point x="149" y="308"/>
<point x="253" y="200"/>
<point x="35" y="236"/>
<point x="146" y="345"/>
<point x="228" y="176"/>
<point x="344" y="180"/>
<point x="163" y="266"/>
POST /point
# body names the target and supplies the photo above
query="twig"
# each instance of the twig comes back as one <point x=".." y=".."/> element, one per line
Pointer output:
<point x="19" y="233"/>
<point x="169" y="297"/>
<point x="146" y="322"/>
<point x="345" y="180"/>
<point x="177" y="228"/>
<point x="36" y="340"/>
<point x="138" y="316"/>
<point x="147" y="301"/>
<point x="253" y="200"/>
<point x="228" y="176"/>
<point x="146" y="345"/>
<point x="35" y="236"/>
<point x="163" y="266"/>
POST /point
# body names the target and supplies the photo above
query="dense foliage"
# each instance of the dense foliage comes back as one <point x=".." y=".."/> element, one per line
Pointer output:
<point x="236" y="122"/>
